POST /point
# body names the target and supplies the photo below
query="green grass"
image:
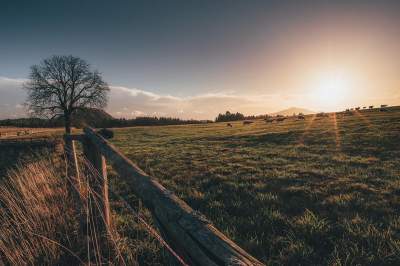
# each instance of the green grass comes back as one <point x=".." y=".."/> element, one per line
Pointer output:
<point x="296" y="192"/>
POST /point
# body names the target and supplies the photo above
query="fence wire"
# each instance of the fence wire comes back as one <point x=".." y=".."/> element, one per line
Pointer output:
<point x="150" y="229"/>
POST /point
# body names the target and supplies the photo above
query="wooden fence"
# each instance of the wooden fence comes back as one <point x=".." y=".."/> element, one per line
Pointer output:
<point x="187" y="231"/>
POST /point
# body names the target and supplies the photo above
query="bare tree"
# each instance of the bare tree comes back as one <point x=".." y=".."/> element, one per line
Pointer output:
<point x="60" y="85"/>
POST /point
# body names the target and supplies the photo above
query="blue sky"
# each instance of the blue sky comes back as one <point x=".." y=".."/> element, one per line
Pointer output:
<point x="193" y="59"/>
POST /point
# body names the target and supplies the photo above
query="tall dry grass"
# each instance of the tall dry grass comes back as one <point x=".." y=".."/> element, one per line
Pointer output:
<point x="40" y="223"/>
<point x="36" y="216"/>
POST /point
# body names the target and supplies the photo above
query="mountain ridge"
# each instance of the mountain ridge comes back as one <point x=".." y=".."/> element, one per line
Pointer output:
<point x="294" y="110"/>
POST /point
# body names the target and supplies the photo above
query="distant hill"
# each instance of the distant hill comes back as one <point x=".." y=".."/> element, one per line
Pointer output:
<point x="292" y="110"/>
<point x="91" y="117"/>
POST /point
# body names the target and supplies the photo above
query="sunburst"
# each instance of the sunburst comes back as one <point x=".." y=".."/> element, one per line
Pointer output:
<point x="337" y="133"/>
<point x="307" y="129"/>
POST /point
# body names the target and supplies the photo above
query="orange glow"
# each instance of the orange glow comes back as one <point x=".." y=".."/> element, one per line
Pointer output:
<point x="332" y="90"/>
<point x="326" y="66"/>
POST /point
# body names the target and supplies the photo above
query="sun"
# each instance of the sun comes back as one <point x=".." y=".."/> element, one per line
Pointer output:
<point x="331" y="90"/>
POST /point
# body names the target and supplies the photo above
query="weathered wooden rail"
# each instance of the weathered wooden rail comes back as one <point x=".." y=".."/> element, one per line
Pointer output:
<point x="187" y="231"/>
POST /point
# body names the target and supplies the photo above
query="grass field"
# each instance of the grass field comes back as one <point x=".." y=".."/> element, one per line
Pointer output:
<point x="324" y="191"/>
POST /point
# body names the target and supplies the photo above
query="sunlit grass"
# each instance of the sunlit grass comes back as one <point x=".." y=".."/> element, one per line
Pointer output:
<point x="43" y="223"/>
<point x="331" y="200"/>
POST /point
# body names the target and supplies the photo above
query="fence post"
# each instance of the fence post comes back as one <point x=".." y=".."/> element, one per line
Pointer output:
<point x="98" y="182"/>
<point x="72" y="162"/>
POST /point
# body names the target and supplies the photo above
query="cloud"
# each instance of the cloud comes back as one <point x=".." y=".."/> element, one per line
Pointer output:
<point x="133" y="102"/>
<point x="12" y="97"/>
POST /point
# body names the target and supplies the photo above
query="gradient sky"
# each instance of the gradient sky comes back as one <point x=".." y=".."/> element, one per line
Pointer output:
<point x="193" y="59"/>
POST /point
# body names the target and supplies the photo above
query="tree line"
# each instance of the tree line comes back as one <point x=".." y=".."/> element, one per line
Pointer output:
<point x="151" y="121"/>
<point x="95" y="118"/>
<point x="228" y="116"/>
<point x="107" y="122"/>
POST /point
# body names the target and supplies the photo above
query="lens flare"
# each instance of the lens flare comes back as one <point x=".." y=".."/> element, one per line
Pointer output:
<point x="331" y="91"/>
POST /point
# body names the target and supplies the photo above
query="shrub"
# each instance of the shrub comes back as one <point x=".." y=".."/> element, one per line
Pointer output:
<point x="106" y="133"/>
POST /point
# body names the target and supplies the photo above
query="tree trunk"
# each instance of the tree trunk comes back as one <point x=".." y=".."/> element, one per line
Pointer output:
<point x="67" y="120"/>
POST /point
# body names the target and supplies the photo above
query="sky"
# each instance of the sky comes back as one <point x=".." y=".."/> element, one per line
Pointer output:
<point x="195" y="59"/>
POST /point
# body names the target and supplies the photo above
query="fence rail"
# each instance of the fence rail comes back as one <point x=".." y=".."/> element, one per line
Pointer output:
<point x="187" y="231"/>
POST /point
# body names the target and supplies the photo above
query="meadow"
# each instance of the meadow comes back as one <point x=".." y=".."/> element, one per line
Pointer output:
<point x="319" y="191"/>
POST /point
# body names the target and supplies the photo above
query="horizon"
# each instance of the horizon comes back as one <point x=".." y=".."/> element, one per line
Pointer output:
<point x="194" y="60"/>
